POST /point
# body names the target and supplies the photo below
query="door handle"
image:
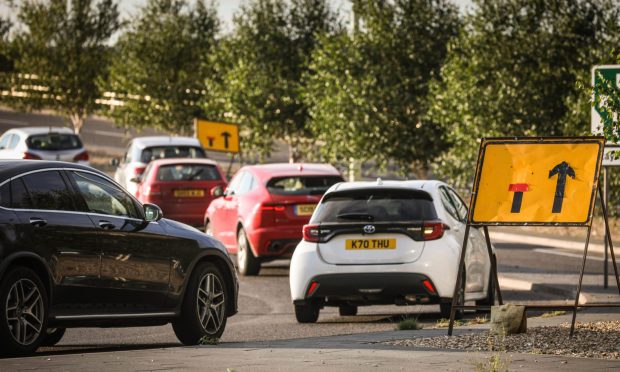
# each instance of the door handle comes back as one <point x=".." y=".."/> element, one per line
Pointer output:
<point x="106" y="225"/>
<point x="37" y="222"/>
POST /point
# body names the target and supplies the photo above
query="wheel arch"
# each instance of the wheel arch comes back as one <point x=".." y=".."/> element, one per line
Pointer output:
<point x="34" y="263"/>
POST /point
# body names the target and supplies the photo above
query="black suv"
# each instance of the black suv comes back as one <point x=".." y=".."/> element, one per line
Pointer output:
<point x="76" y="250"/>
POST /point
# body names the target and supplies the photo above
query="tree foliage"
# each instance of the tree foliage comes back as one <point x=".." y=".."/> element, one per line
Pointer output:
<point x="265" y="58"/>
<point x="513" y="72"/>
<point x="63" y="53"/>
<point x="158" y="69"/>
<point x="606" y="96"/>
<point x="368" y="92"/>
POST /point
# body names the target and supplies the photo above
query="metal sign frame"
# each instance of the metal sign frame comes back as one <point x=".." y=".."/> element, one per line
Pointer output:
<point x="495" y="280"/>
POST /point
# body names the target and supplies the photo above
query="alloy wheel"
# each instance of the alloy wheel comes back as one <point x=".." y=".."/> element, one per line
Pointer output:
<point x="25" y="311"/>
<point x="211" y="303"/>
<point x="242" y="251"/>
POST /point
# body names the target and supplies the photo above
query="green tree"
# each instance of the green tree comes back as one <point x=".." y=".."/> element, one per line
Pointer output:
<point x="159" y="70"/>
<point x="268" y="53"/>
<point x="63" y="53"/>
<point x="513" y="72"/>
<point x="368" y="91"/>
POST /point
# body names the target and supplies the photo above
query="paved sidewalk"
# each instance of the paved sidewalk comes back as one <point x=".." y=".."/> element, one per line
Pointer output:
<point x="358" y="352"/>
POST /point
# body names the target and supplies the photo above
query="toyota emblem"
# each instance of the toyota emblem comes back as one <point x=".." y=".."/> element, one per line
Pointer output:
<point x="369" y="229"/>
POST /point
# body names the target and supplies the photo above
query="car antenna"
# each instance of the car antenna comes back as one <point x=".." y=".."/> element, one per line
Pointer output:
<point x="379" y="181"/>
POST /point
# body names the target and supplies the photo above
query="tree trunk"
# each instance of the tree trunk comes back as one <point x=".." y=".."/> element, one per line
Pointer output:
<point x="78" y="121"/>
<point x="294" y="155"/>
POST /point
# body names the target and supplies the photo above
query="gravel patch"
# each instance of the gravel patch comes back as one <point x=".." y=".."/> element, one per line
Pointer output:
<point x="591" y="340"/>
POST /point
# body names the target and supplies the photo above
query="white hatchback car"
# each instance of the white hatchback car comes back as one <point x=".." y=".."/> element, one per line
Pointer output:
<point x="141" y="150"/>
<point x="387" y="242"/>
<point x="43" y="143"/>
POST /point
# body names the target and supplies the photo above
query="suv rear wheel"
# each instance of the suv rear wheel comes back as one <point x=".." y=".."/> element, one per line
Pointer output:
<point x="203" y="313"/>
<point x="247" y="264"/>
<point x="307" y="313"/>
<point x="23" y="312"/>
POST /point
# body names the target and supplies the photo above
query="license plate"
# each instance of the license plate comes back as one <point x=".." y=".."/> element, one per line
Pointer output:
<point x="360" y="244"/>
<point x="304" y="209"/>
<point x="189" y="193"/>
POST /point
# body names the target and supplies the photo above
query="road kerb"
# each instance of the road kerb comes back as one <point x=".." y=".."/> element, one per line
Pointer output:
<point x="497" y="236"/>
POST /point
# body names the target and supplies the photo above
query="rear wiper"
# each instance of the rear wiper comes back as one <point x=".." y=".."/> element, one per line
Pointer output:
<point x="356" y="216"/>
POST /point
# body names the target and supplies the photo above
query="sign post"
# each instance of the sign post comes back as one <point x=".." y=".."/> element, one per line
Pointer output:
<point x="540" y="182"/>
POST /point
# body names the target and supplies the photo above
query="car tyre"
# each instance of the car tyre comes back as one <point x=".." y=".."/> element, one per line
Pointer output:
<point x="209" y="228"/>
<point x="307" y="313"/>
<point x="204" y="311"/>
<point x="53" y="336"/>
<point x="247" y="264"/>
<point x="23" y="312"/>
<point x="445" y="306"/>
<point x="347" y="310"/>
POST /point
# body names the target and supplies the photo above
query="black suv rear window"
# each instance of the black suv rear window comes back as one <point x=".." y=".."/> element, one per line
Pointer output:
<point x="301" y="185"/>
<point x="378" y="205"/>
<point x="188" y="172"/>
<point x="165" y="152"/>
<point x="54" y="142"/>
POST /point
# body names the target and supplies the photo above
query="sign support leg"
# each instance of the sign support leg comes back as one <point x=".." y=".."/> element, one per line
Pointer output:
<point x="611" y="245"/>
<point x="605" y="201"/>
<point x="583" y="267"/>
<point x="458" y="283"/>
<point x="232" y="160"/>
<point x="493" y="260"/>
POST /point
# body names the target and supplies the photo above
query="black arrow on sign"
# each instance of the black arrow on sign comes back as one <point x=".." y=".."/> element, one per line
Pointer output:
<point x="226" y="136"/>
<point x="562" y="170"/>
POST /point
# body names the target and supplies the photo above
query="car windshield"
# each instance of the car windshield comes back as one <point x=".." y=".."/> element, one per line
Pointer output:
<point x="301" y="185"/>
<point x="165" y="152"/>
<point x="378" y="205"/>
<point x="54" y="142"/>
<point x="188" y="172"/>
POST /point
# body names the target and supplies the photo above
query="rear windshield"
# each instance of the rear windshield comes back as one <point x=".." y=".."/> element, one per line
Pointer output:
<point x="54" y="141"/>
<point x="165" y="152"/>
<point x="188" y="172"/>
<point x="301" y="185"/>
<point x="384" y="205"/>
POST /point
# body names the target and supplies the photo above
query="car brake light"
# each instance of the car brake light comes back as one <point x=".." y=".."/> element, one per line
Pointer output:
<point x="82" y="156"/>
<point x="138" y="171"/>
<point x="152" y="190"/>
<point x="311" y="233"/>
<point x="29" y="155"/>
<point x="433" y="230"/>
<point x="271" y="207"/>
<point x="429" y="286"/>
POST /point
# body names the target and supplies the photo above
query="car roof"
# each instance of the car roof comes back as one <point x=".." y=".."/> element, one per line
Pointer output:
<point x="12" y="168"/>
<point x="425" y="185"/>
<point x="27" y="131"/>
<point x="143" y="142"/>
<point x="169" y="161"/>
<point x="266" y="171"/>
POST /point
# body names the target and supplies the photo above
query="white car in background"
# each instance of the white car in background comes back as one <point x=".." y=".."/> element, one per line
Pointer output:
<point x="142" y="150"/>
<point x="43" y="143"/>
<point x="387" y="242"/>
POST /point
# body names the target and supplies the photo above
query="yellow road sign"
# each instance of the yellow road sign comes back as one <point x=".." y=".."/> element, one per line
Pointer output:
<point x="542" y="181"/>
<point x="216" y="136"/>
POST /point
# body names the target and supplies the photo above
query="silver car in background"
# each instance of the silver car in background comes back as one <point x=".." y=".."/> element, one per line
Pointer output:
<point x="43" y="143"/>
<point x="142" y="150"/>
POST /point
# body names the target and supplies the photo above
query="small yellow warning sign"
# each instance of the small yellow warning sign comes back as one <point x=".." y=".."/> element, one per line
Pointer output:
<point x="216" y="136"/>
<point x="542" y="181"/>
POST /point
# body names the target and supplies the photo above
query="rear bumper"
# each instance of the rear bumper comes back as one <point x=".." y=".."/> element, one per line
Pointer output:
<point x="369" y="288"/>
<point x="275" y="241"/>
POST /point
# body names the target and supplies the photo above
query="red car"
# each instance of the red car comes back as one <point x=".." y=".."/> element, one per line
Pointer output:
<point x="262" y="212"/>
<point x="181" y="187"/>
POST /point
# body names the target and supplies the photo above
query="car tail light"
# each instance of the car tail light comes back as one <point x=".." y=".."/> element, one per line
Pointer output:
<point x="82" y="156"/>
<point x="266" y="214"/>
<point x="29" y="155"/>
<point x="273" y="207"/>
<point x="429" y="286"/>
<point x="151" y="190"/>
<point x="137" y="171"/>
<point x="311" y="233"/>
<point x="433" y="230"/>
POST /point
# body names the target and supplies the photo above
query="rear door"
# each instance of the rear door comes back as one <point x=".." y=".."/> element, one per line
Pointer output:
<point x="373" y="226"/>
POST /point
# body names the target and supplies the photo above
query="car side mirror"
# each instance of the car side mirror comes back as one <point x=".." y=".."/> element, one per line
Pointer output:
<point x="217" y="191"/>
<point x="136" y="179"/>
<point x="114" y="162"/>
<point x="152" y="213"/>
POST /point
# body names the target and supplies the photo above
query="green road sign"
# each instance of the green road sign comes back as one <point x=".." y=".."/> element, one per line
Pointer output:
<point x="610" y="73"/>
